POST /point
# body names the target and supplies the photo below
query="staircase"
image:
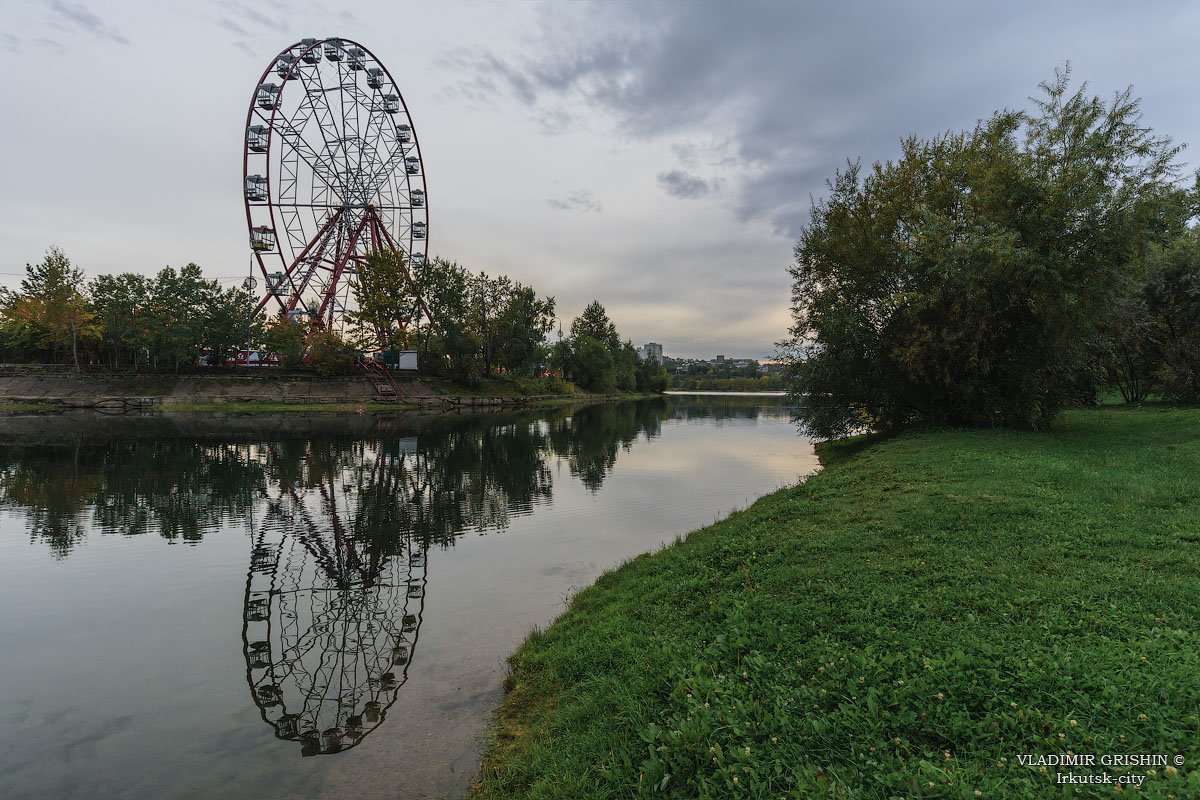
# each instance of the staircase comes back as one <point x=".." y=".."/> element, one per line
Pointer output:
<point x="385" y="386"/>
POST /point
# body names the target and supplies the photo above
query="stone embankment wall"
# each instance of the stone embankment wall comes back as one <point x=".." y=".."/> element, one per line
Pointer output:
<point x="85" y="390"/>
<point x="67" y="390"/>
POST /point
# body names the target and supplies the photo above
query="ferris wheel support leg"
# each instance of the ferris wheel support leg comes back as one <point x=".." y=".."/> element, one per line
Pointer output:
<point x="339" y="267"/>
<point x="321" y="242"/>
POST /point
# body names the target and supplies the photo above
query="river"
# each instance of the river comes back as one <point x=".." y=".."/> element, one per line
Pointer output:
<point x="299" y="606"/>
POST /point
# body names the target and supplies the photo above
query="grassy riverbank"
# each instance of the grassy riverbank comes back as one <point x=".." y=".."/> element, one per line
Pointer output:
<point x="904" y="624"/>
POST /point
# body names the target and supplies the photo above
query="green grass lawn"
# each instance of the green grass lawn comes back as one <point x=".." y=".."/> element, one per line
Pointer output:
<point x="904" y="624"/>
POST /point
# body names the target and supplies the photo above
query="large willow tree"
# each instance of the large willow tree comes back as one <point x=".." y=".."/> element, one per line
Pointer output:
<point x="966" y="282"/>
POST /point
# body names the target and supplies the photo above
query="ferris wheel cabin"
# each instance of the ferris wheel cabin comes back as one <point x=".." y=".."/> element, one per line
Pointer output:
<point x="284" y="64"/>
<point x="312" y="53"/>
<point x="256" y="188"/>
<point x="418" y="230"/>
<point x="375" y="78"/>
<point x="403" y="133"/>
<point x="333" y="50"/>
<point x="417" y="197"/>
<point x="256" y="138"/>
<point x="412" y="164"/>
<point x="356" y="58"/>
<point x="391" y="104"/>
<point x="275" y="284"/>
<point x="417" y="259"/>
<point x="268" y="96"/>
<point x="262" y="239"/>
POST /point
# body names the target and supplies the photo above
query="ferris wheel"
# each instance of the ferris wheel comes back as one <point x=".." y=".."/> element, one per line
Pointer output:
<point x="332" y="171"/>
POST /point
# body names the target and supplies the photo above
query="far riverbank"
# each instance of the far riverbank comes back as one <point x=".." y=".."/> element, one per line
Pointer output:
<point x="269" y="391"/>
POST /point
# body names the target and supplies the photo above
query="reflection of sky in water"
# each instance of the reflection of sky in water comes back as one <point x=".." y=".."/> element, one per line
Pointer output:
<point x="124" y="672"/>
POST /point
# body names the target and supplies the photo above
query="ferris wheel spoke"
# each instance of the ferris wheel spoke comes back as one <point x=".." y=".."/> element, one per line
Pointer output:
<point x="328" y="295"/>
<point x="376" y="115"/>
<point x="319" y="165"/>
<point x="382" y="171"/>
<point x="315" y="94"/>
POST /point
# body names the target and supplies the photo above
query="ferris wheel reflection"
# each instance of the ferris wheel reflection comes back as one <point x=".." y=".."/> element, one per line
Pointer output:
<point x="333" y="605"/>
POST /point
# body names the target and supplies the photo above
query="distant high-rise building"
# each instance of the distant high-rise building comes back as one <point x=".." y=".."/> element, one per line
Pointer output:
<point x="651" y="350"/>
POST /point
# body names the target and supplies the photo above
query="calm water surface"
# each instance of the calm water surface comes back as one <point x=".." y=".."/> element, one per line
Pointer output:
<point x="285" y="607"/>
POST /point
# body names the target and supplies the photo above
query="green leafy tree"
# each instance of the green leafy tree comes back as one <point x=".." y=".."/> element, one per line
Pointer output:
<point x="523" y="325"/>
<point x="119" y="303"/>
<point x="285" y="338"/>
<point x="448" y="346"/>
<point x="625" y="363"/>
<point x="592" y="364"/>
<point x="50" y="311"/>
<point x="329" y="353"/>
<point x="594" y="322"/>
<point x="560" y="355"/>
<point x="231" y="321"/>
<point x="176" y="313"/>
<point x="387" y="298"/>
<point x="488" y="300"/>
<point x="1172" y="303"/>
<point x="651" y="376"/>
<point x="966" y="282"/>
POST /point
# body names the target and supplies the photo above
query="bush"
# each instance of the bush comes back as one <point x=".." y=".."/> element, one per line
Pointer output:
<point x="1173" y="304"/>
<point x="330" y="354"/>
<point x="286" y="338"/>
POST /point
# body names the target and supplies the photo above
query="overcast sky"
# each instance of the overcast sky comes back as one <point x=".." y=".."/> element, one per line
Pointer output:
<point x="657" y="156"/>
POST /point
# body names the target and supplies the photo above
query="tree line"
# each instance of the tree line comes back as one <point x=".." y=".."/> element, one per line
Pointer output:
<point x="469" y="326"/>
<point x="125" y="320"/>
<point x="464" y="326"/>
<point x="992" y="277"/>
<point x="595" y="357"/>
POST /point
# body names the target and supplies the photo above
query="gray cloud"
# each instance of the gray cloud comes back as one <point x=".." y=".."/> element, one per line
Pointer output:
<point x="798" y="88"/>
<point x="77" y="16"/>
<point x="576" y="201"/>
<point x="232" y="27"/>
<point x="53" y="44"/>
<point x="244" y="12"/>
<point x="678" y="183"/>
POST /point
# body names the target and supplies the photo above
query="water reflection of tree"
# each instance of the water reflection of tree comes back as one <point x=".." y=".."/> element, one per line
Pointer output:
<point x="591" y="438"/>
<point x="178" y="489"/>
<point x="731" y="406"/>
<point x="462" y="473"/>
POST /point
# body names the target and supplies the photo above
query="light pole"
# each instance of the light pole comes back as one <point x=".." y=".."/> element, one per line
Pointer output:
<point x="249" y="285"/>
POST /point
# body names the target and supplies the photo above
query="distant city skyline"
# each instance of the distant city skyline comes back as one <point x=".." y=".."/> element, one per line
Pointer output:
<point x="656" y="156"/>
